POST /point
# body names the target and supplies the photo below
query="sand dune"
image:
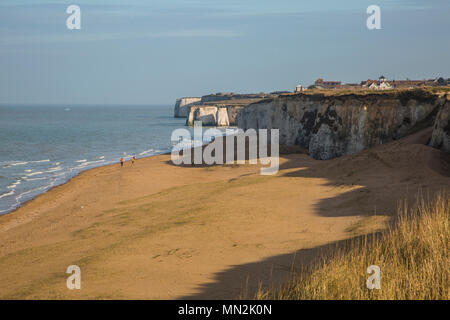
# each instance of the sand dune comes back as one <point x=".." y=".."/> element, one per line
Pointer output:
<point x="158" y="231"/>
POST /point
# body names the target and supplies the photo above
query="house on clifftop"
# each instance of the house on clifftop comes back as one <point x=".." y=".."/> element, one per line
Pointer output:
<point x="320" y="83"/>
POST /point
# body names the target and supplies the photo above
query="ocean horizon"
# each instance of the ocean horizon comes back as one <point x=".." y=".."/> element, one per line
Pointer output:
<point x="43" y="146"/>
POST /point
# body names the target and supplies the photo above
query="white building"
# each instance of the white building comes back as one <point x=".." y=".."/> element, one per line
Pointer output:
<point x="299" y="88"/>
<point x="382" y="86"/>
<point x="385" y="86"/>
<point x="374" y="86"/>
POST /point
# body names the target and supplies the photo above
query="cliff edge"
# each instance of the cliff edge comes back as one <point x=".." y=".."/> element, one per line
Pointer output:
<point x="182" y="106"/>
<point x="441" y="129"/>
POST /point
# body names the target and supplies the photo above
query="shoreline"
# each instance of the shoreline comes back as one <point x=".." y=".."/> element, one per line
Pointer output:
<point x="21" y="204"/>
<point x="110" y="162"/>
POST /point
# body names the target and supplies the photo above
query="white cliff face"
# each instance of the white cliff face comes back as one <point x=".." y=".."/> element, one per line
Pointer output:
<point x="233" y="111"/>
<point x="222" y="117"/>
<point x="182" y="105"/>
<point x="206" y="114"/>
<point x="232" y="102"/>
<point x="331" y="126"/>
<point x="217" y="115"/>
<point x="441" y="130"/>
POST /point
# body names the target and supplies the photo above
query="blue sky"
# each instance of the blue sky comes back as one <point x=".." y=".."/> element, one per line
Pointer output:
<point x="153" y="51"/>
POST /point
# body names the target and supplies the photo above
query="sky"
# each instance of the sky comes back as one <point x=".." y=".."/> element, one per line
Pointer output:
<point x="154" y="51"/>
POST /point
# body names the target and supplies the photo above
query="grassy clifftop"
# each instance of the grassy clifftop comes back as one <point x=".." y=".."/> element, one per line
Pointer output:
<point x="425" y="94"/>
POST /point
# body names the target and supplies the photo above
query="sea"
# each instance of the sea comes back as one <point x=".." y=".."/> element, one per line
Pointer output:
<point x="44" y="146"/>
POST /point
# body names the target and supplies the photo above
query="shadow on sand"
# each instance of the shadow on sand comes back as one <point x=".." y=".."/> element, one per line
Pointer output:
<point x="243" y="281"/>
<point x="379" y="178"/>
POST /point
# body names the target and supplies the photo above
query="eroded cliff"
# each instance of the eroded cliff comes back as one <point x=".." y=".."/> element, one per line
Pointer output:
<point x="441" y="129"/>
<point x="182" y="105"/>
<point x="214" y="115"/>
<point x="211" y="113"/>
<point x="335" y="125"/>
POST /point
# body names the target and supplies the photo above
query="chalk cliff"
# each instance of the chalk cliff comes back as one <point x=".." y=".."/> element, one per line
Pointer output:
<point x="441" y="129"/>
<point x="214" y="115"/>
<point x="333" y="125"/>
<point x="212" y="104"/>
<point x="181" y="109"/>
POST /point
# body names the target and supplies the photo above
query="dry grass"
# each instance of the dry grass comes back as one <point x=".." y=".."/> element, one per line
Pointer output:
<point x="364" y="91"/>
<point x="413" y="256"/>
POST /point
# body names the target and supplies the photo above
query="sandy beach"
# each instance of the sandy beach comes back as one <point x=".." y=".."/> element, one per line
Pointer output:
<point x="159" y="231"/>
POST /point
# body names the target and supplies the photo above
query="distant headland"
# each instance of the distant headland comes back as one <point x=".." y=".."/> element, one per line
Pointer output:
<point x="329" y="118"/>
<point x="221" y="109"/>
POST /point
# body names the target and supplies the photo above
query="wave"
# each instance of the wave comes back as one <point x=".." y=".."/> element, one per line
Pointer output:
<point x="152" y="152"/>
<point x="19" y="163"/>
<point x="12" y="186"/>
<point x="84" y="160"/>
<point x="146" y="152"/>
<point x="39" y="161"/>
<point x="13" y="163"/>
<point x="34" y="173"/>
<point x="45" y="187"/>
<point x="88" y="163"/>
<point x="21" y="195"/>
<point x="34" y="179"/>
<point x="7" y="194"/>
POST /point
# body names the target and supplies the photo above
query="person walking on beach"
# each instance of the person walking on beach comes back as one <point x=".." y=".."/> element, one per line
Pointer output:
<point x="132" y="160"/>
<point x="121" y="162"/>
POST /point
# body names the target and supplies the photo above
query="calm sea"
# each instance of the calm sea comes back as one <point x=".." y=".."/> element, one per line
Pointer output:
<point x="44" y="146"/>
